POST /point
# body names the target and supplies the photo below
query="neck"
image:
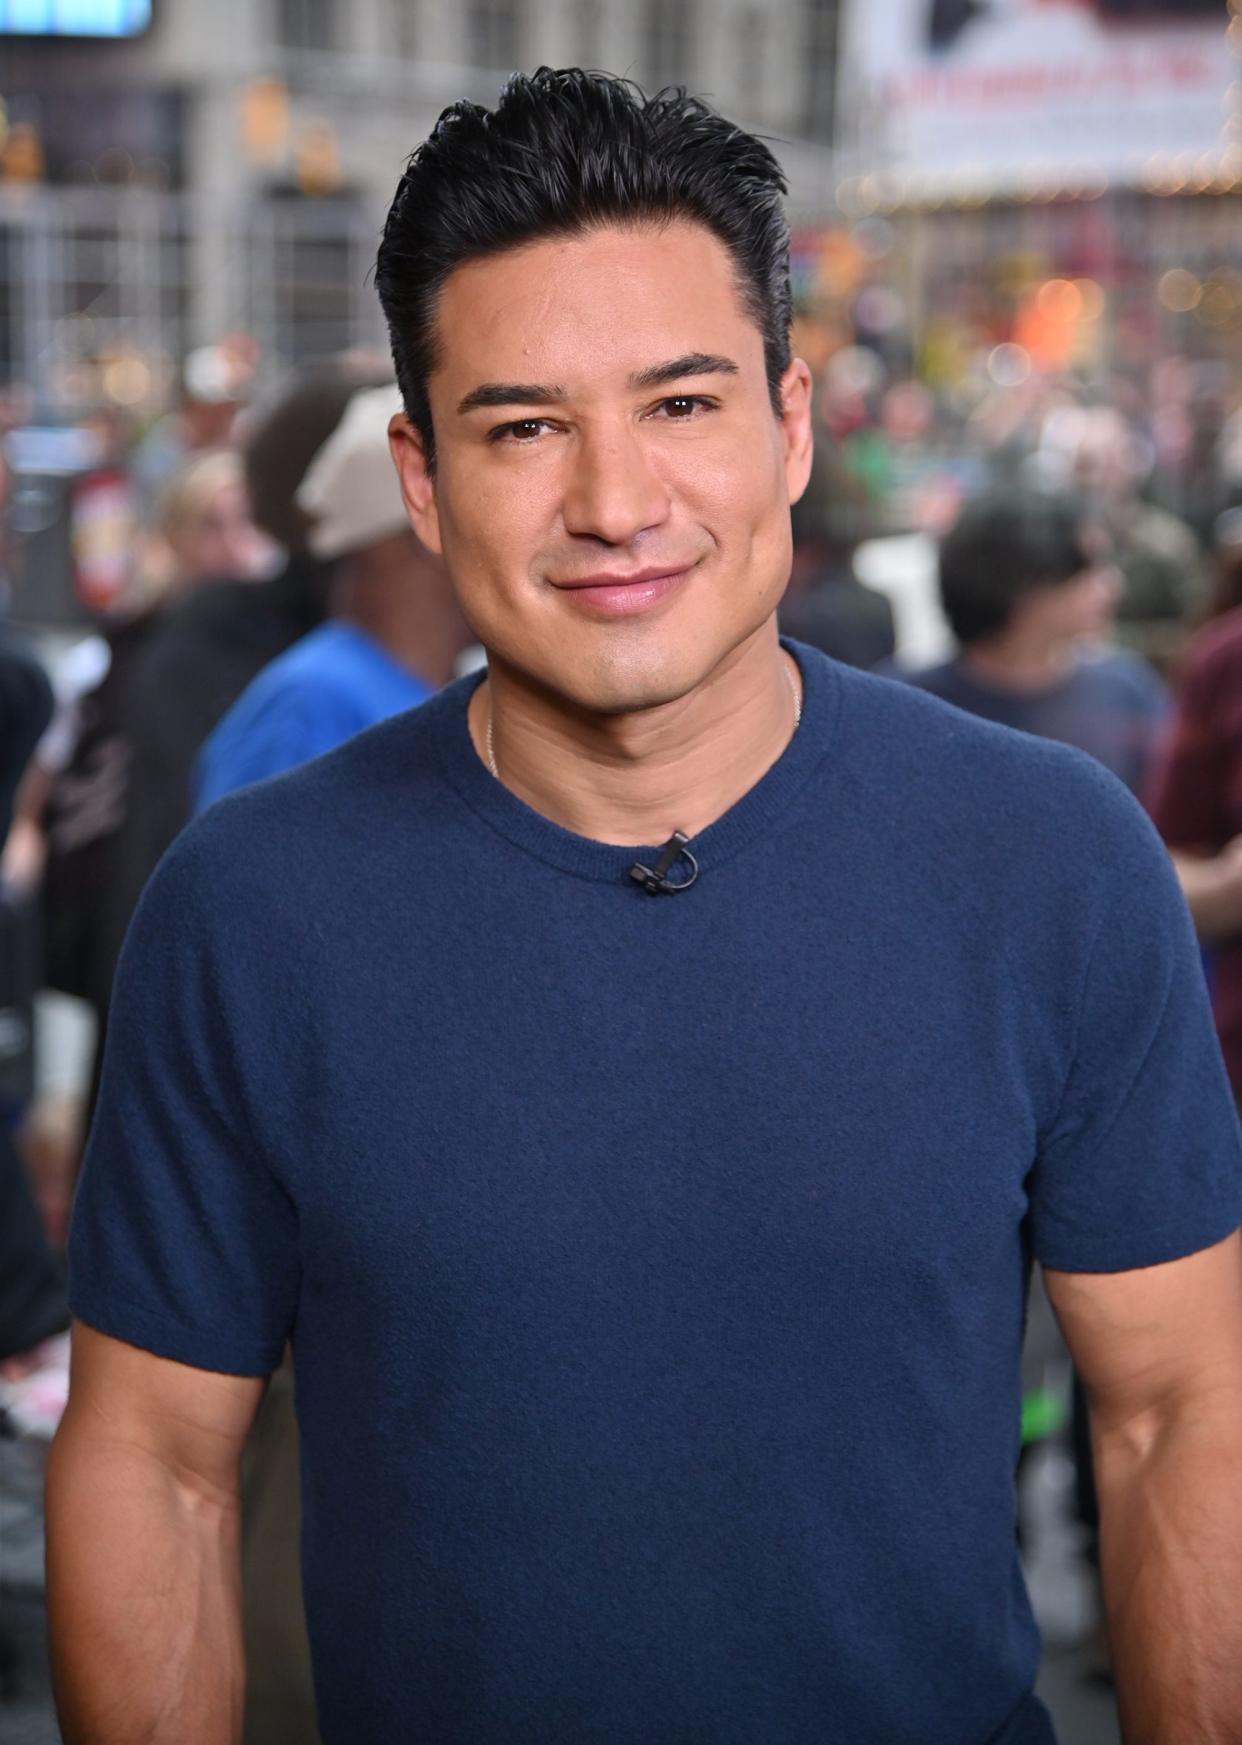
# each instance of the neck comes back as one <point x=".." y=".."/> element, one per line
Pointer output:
<point x="635" y="778"/>
<point x="1020" y="661"/>
<point x="411" y="612"/>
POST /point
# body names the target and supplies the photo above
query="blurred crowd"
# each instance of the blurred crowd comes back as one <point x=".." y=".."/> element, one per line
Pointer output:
<point x="267" y="599"/>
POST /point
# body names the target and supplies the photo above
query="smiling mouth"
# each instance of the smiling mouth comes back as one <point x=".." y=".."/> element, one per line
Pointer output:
<point x="619" y="594"/>
<point x="618" y="579"/>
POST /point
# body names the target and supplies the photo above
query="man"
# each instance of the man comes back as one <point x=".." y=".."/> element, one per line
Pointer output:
<point x="394" y="632"/>
<point x="651" y="1222"/>
<point x="1196" y="801"/>
<point x="1030" y="595"/>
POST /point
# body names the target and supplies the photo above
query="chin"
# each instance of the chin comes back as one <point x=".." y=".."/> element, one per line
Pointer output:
<point x="627" y="681"/>
<point x="634" y="696"/>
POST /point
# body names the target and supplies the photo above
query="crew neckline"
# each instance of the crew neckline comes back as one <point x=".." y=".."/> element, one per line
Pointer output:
<point x="502" y="811"/>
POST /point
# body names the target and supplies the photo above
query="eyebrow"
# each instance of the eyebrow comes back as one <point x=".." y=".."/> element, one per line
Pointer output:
<point x="693" y="363"/>
<point x="511" y="394"/>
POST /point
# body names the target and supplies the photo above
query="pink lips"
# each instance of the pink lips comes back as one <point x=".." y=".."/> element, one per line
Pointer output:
<point x="618" y="594"/>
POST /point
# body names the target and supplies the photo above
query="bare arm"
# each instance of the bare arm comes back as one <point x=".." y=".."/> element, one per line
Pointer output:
<point x="1212" y="887"/>
<point x="24" y="851"/>
<point x="1160" y="1353"/>
<point x="143" y="1549"/>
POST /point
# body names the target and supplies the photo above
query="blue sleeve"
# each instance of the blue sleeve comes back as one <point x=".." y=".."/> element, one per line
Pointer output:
<point x="1142" y="1163"/>
<point x="183" y="1239"/>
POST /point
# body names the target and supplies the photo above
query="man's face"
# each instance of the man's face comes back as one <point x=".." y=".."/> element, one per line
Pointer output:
<point x="612" y="486"/>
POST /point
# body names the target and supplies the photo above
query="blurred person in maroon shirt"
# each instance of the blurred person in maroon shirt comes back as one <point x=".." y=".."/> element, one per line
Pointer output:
<point x="1196" y="801"/>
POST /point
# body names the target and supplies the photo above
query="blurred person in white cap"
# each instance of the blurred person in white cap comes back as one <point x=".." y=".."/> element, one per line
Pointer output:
<point x="394" y="631"/>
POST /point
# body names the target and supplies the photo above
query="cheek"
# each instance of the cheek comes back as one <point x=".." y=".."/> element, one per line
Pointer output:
<point x="483" y="527"/>
<point x="742" y="499"/>
<point x="491" y="536"/>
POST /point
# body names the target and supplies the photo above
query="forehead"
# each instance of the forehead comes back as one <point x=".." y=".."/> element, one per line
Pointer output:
<point x="583" y="307"/>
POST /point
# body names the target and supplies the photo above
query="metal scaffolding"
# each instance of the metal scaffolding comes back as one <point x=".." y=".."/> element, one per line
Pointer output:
<point x="141" y="276"/>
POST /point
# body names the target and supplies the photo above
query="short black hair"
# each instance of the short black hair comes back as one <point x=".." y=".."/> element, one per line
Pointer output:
<point x="1003" y="545"/>
<point x="563" y="152"/>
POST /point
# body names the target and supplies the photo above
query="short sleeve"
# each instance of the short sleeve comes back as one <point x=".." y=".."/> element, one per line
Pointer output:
<point x="183" y="1239"/>
<point x="1142" y="1162"/>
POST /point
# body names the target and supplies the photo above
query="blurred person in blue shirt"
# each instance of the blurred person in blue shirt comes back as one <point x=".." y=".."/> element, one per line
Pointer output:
<point x="1031" y="597"/>
<point x="394" y="633"/>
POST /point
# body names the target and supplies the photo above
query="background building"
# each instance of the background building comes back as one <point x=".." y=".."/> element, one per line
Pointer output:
<point x="994" y="207"/>
<point x="228" y="168"/>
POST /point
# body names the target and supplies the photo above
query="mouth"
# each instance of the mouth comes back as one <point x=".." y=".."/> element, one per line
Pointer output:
<point x="617" y="594"/>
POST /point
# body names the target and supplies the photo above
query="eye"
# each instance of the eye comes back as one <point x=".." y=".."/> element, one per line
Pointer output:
<point x="520" y="430"/>
<point x="680" y="408"/>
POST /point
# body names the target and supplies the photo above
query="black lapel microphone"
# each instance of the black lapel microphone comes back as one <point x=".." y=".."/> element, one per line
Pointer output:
<point x="655" y="879"/>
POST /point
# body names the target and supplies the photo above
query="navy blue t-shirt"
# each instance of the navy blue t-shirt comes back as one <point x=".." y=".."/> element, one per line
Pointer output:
<point x="656" y="1266"/>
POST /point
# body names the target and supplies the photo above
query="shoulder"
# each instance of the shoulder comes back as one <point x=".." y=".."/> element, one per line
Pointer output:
<point x="937" y="679"/>
<point x="314" y="822"/>
<point x="1126" y="677"/>
<point x="266" y="892"/>
<point x="1017" y="846"/>
<point x="302" y="687"/>
<point x="978" y="792"/>
<point x="288" y="677"/>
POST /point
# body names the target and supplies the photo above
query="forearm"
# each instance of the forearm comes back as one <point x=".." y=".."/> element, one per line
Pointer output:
<point x="1211" y="889"/>
<point x="1171" y="1551"/>
<point x="143" y="1600"/>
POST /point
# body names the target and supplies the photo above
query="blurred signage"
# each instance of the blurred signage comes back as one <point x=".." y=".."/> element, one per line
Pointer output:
<point x="962" y="97"/>
<point x="74" y="17"/>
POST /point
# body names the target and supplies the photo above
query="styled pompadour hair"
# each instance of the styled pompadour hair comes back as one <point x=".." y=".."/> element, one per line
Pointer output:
<point x="562" y="153"/>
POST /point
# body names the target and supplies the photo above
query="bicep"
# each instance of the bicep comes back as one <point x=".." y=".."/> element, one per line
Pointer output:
<point x="1147" y="1340"/>
<point x="194" y="1422"/>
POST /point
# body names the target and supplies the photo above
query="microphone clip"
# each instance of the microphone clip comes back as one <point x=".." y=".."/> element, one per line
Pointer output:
<point x="655" y="879"/>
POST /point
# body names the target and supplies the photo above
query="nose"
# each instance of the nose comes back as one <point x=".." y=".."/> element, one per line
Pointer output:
<point x="613" y="493"/>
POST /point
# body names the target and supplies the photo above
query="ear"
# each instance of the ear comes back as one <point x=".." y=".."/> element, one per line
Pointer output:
<point x="796" y="431"/>
<point x="418" y="486"/>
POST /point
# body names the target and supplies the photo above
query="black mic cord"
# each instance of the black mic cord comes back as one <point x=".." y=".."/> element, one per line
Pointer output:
<point x="655" y="879"/>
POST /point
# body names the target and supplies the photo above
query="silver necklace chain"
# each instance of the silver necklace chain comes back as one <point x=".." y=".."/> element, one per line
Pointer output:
<point x="794" y="692"/>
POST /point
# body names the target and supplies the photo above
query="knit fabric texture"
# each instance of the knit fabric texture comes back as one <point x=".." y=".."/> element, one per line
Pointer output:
<point x="656" y="1265"/>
